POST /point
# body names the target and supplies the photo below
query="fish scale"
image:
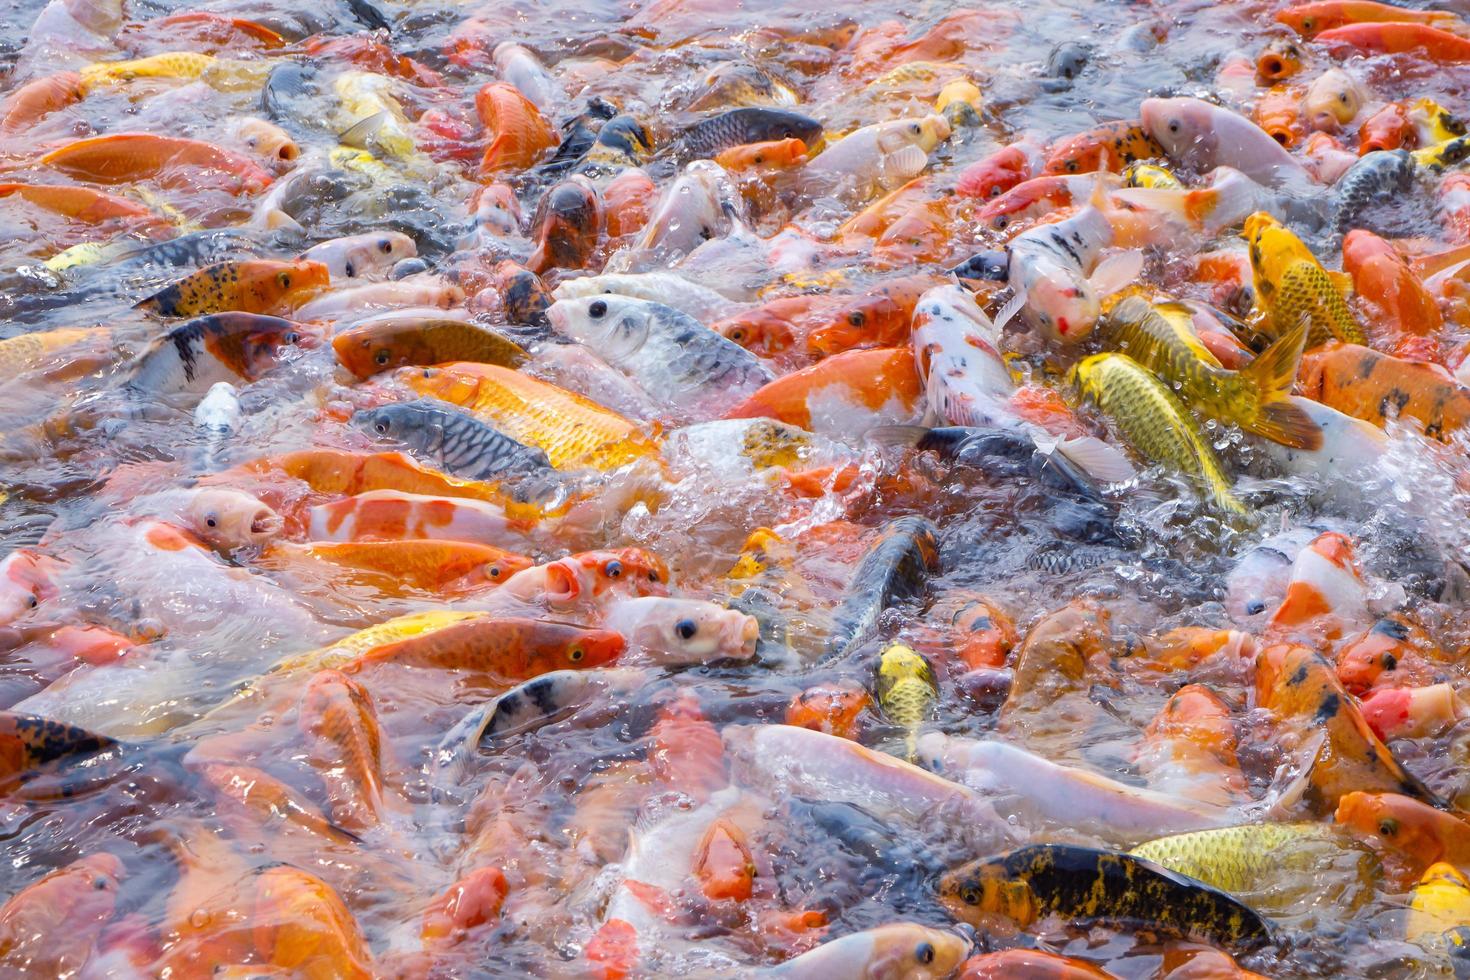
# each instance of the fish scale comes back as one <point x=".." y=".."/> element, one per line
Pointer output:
<point x="1251" y="857"/>
<point x="453" y="439"/>
<point x="1155" y="422"/>
<point x="573" y="431"/>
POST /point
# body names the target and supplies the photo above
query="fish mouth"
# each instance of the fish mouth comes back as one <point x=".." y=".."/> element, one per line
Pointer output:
<point x="741" y="639"/>
<point x="266" y="523"/>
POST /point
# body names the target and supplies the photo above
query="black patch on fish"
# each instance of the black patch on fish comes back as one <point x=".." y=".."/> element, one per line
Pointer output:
<point x="1391" y="628"/>
<point x="1298" y="677"/>
<point x="1328" y="708"/>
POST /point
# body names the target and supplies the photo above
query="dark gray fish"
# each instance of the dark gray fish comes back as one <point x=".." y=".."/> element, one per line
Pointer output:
<point x="1067" y="59"/>
<point x="1377" y="178"/>
<point x="287" y="91"/>
<point x="452" y="439"/>
<point x="538" y="702"/>
<point x="368" y="15"/>
<point x="896" y="569"/>
<point x="1073" y="503"/>
<point x="749" y="124"/>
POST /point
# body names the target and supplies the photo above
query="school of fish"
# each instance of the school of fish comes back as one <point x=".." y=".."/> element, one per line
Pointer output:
<point x="689" y="489"/>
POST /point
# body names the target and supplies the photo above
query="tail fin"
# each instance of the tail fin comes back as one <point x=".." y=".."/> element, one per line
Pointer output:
<point x="1272" y="374"/>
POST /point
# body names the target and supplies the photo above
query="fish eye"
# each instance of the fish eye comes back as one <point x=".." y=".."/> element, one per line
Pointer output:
<point x="1308" y="23"/>
<point x="349" y="268"/>
<point x="924" y="953"/>
<point x="653" y="576"/>
<point x="381" y="356"/>
<point x="385" y="246"/>
<point x="1173" y="125"/>
<point x="995" y="191"/>
<point x="1388" y="826"/>
<point x="738" y="335"/>
<point x="575" y="654"/>
<point x="686" y="628"/>
<point x="292" y="337"/>
<point x="613" y="569"/>
<point x="914" y="128"/>
<point x="856" y="318"/>
<point x="970" y="896"/>
<point x="381" y="426"/>
<point x="1255" y="606"/>
<point x="597" y="309"/>
<point x="1001" y="221"/>
<point x="493" y="571"/>
<point x="284" y="278"/>
<point x="211" y="521"/>
<point x="34" y="602"/>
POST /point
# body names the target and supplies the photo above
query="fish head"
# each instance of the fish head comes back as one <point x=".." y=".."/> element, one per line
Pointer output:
<point x="27" y="578"/>
<point x="1185" y="128"/>
<point x="401" y="424"/>
<point x="1333" y="99"/>
<point x="614" y="326"/>
<point x="368" y="349"/>
<point x="914" y="952"/>
<point x="628" y="135"/>
<point x="783" y="124"/>
<point x="561" y="646"/>
<point x="1413" y="828"/>
<point x="267" y="140"/>
<point x="759" y="331"/>
<point x="263" y="348"/>
<point x="687" y="631"/>
<point x="631" y="570"/>
<point x="900" y="662"/>
<point x="231" y="519"/>
<point x="497" y="210"/>
<point x="1310" y="19"/>
<point x="1060" y="303"/>
<point x="984" y="893"/>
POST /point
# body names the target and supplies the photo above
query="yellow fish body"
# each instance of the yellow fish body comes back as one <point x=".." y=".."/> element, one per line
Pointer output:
<point x="1151" y="176"/>
<point x="171" y="64"/>
<point x="1161" y="337"/>
<point x="906" y="690"/>
<point x="1153" y="420"/>
<point x="1439" y="903"/>
<point x="1292" y="287"/>
<point x="573" y="431"/>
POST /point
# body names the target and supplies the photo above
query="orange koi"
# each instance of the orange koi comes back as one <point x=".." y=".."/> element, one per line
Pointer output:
<point x="509" y="648"/>
<point x="1189" y="749"/>
<point x="472" y="901"/>
<point x="1393" y="653"/>
<point x="1373" y="386"/>
<point x="124" y="158"/>
<point x="834" y="708"/>
<point x="997" y="173"/>
<point x="1111" y="147"/>
<point x="370" y="55"/>
<point x="439" y="566"/>
<point x="80" y="203"/>
<point x="1279" y="113"/>
<point x="685" y="750"/>
<point x="1029" y="964"/>
<point x="881" y="316"/>
<point x="519" y="135"/>
<point x="1416" y="830"/>
<point x="627" y="202"/>
<point x="770" y="155"/>
<point x="252" y="286"/>
<point x="25" y="106"/>
<point x="1398" y="38"/>
<point x="567" y="226"/>
<point x="1279" y="61"/>
<point x="1311" y="19"/>
<point x="51" y="926"/>
<point x="1395" y="295"/>
<point x="346" y="746"/>
<point x="210" y="31"/>
<point x="884" y="381"/>
<point x="1326" y="594"/>
<point x="1341" y="753"/>
<point x="302" y="927"/>
<point x="1387" y="129"/>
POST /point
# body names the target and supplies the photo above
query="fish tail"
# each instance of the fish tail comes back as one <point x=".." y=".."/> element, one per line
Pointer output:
<point x="1272" y="375"/>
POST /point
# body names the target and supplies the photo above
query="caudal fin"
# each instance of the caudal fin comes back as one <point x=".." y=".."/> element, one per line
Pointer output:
<point x="1273" y="373"/>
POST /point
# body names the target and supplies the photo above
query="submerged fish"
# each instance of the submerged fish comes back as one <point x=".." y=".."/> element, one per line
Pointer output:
<point x="906" y="690"/>
<point x="895" y="569"/>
